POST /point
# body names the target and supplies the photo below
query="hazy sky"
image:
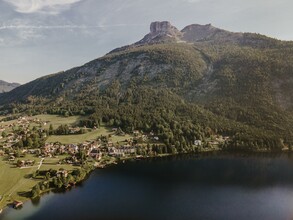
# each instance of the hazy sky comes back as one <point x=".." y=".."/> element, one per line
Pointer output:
<point x="38" y="37"/>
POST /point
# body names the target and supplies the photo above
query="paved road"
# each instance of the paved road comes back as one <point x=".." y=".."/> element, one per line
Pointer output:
<point x="41" y="163"/>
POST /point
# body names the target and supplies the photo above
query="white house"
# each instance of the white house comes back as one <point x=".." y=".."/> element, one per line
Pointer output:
<point x="197" y="143"/>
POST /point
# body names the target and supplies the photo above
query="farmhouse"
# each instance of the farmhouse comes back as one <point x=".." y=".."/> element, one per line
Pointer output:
<point x="96" y="154"/>
<point x="121" y="151"/>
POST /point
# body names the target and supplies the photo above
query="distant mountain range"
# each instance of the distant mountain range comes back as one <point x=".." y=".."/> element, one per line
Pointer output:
<point x="6" y="87"/>
<point x="201" y="78"/>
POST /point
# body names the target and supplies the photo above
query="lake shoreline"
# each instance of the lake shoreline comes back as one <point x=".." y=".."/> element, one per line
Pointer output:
<point x="117" y="161"/>
<point x="201" y="186"/>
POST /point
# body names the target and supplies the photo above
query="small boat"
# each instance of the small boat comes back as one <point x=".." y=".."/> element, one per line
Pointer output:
<point x="17" y="204"/>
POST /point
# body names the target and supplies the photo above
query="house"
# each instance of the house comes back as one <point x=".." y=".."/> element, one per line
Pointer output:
<point x="113" y="151"/>
<point x="62" y="173"/>
<point x="110" y="144"/>
<point x="96" y="154"/>
<point x="197" y="142"/>
<point x="29" y="163"/>
<point x="127" y="149"/>
<point x="74" y="130"/>
<point x="11" y="158"/>
<point x="20" y="163"/>
<point x="72" y="149"/>
<point x="47" y="149"/>
<point x="136" y="132"/>
<point x="17" y="204"/>
<point x="121" y="151"/>
<point x="226" y="138"/>
<point x="60" y="149"/>
<point x="32" y="151"/>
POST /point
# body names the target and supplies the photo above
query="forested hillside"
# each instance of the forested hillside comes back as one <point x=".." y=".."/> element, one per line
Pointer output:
<point x="183" y="88"/>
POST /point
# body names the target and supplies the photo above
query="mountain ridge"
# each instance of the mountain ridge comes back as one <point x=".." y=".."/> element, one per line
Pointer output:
<point x="232" y="83"/>
<point x="6" y="86"/>
<point x="164" y="32"/>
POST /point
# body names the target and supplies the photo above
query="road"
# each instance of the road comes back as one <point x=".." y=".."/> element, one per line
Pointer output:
<point x="41" y="163"/>
<point x="38" y="167"/>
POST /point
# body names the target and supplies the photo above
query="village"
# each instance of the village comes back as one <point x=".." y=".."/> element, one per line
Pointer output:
<point x="100" y="146"/>
<point x="29" y="144"/>
<point x="137" y="144"/>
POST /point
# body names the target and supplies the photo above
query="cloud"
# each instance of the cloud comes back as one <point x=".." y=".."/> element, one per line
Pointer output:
<point x="29" y="34"/>
<point x="24" y="27"/>
<point x="41" y="6"/>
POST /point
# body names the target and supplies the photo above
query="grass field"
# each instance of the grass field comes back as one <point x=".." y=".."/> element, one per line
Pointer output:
<point x="15" y="181"/>
<point x="8" y="122"/>
<point x="57" y="120"/>
<point x="52" y="163"/>
<point x="79" y="138"/>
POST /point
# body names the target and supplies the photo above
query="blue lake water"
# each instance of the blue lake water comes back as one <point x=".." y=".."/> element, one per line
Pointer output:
<point x="185" y="187"/>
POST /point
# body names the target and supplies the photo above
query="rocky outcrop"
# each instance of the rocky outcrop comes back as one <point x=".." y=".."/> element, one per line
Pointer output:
<point x="165" y="32"/>
<point x="161" y="32"/>
<point x="163" y="28"/>
<point x="196" y="32"/>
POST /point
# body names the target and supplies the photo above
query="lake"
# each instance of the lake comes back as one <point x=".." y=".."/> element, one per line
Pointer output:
<point x="184" y="187"/>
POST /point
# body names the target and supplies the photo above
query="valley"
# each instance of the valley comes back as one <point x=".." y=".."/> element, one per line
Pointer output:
<point x="202" y="89"/>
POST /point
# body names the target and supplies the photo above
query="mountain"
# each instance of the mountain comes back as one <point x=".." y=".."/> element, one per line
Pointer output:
<point x="161" y="31"/>
<point x="195" y="33"/>
<point x="184" y="85"/>
<point x="6" y="87"/>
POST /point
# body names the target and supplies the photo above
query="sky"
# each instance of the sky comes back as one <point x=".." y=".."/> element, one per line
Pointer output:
<point x="40" y="37"/>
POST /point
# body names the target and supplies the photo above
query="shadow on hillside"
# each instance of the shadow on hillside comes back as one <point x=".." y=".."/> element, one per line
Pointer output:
<point x="24" y="194"/>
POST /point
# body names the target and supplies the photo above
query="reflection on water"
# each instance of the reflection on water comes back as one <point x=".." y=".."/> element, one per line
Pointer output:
<point x="185" y="187"/>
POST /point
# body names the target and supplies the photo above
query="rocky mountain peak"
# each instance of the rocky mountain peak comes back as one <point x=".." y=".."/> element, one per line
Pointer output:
<point x="161" y="32"/>
<point x="165" y="32"/>
<point x="163" y="27"/>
